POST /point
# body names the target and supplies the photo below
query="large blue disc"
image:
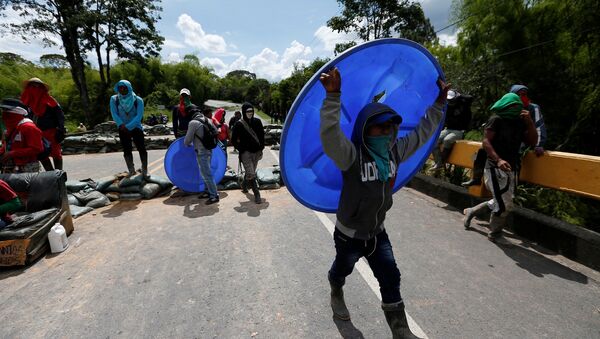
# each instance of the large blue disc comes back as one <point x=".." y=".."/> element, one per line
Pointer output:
<point x="402" y="69"/>
<point x="182" y="167"/>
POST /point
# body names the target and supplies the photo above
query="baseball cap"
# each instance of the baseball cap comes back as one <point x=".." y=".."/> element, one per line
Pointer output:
<point x="185" y="91"/>
<point x="14" y="106"/>
<point x="384" y="117"/>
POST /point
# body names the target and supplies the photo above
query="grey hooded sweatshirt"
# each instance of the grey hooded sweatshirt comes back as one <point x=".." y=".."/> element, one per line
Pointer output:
<point x="365" y="200"/>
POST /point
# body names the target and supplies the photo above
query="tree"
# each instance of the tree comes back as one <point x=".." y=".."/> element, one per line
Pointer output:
<point x="375" y="19"/>
<point x="54" y="61"/>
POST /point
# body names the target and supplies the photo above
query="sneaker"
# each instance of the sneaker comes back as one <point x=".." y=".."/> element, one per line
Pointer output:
<point x="212" y="201"/>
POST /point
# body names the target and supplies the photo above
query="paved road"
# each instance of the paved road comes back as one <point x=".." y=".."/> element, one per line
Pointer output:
<point x="173" y="267"/>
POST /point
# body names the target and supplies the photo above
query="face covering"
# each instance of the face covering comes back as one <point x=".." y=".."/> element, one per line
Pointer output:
<point x="525" y="100"/>
<point x="379" y="149"/>
<point x="249" y="115"/>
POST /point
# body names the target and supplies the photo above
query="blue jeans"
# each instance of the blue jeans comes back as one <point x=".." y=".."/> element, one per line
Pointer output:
<point x="379" y="255"/>
<point x="204" y="158"/>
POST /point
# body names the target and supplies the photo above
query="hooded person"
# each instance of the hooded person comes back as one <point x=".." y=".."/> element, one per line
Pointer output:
<point x="219" y="122"/>
<point x="508" y="127"/>
<point x="48" y="117"/>
<point x="368" y="162"/>
<point x="22" y="141"/>
<point x="248" y="137"/>
<point x="181" y="115"/>
<point x="127" y="110"/>
<point x="536" y="115"/>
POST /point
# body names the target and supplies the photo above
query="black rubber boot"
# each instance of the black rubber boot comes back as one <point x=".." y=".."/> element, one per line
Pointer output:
<point x="338" y="305"/>
<point x="129" y="162"/>
<point x="244" y="186"/>
<point x="144" y="160"/>
<point x="47" y="164"/>
<point x="396" y="319"/>
<point x="256" y="191"/>
<point x="472" y="212"/>
<point x="58" y="163"/>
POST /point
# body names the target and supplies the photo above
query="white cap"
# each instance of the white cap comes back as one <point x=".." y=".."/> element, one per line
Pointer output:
<point x="18" y="110"/>
<point x="185" y="91"/>
<point x="452" y="94"/>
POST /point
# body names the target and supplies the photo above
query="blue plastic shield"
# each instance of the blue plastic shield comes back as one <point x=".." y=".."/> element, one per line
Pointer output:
<point x="400" y="70"/>
<point x="182" y="167"/>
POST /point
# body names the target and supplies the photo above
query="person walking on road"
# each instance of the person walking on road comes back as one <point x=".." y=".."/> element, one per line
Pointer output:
<point x="199" y="126"/>
<point x="368" y="163"/>
<point x="181" y="118"/>
<point x="235" y="118"/>
<point x="48" y="116"/>
<point x="22" y="142"/>
<point x="248" y="137"/>
<point x="504" y="132"/>
<point x="127" y="110"/>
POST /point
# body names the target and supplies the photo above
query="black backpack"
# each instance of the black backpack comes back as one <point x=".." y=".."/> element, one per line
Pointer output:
<point x="210" y="136"/>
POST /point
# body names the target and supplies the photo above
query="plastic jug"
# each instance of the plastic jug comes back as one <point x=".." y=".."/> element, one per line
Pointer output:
<point x="58" y="238"/>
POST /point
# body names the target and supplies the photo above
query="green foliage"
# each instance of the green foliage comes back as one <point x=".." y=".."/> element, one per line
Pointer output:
<point x="375" y="19"/>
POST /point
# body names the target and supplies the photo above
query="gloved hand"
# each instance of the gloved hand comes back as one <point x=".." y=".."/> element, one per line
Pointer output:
<point x="539" y="151"/>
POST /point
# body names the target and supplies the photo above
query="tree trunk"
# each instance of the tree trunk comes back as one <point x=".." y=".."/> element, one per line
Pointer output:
<point x="73" y="53"/>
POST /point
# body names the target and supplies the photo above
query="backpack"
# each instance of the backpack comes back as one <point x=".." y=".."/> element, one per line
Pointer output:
<point x="47" y="146"/>
<point x="210" y="133"/>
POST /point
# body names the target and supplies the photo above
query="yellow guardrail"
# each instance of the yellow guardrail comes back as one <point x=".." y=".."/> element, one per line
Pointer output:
<point x="569" y="172"/>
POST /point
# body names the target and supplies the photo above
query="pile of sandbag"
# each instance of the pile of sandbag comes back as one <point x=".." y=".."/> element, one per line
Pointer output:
<point x="159" y="129"/>
<point x="98" y="143"/>
<point x="272" y="134"/>
<point x="268" y="178"/>
<point x="88" y="194"/>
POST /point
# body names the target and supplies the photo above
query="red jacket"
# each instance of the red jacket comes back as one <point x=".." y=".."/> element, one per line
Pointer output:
<point x="24" y="143"/>
<point x="223" y="129"/>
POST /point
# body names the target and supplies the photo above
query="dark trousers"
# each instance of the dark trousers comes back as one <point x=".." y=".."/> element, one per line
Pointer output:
<point x="379" y="255"/>
<point x="125" y="136"/>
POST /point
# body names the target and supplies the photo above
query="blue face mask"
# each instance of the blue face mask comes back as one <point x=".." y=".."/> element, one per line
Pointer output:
<point x="379" y="148"/>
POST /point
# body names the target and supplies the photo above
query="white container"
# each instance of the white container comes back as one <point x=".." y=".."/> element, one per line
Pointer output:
<point x="58" y="238"/>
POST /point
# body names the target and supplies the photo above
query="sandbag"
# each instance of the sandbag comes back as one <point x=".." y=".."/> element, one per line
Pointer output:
<point x="103" y="183"/>
<point x="135" y="180"/>
<point x="274" y="186"/>
<point x="73" y="200"/>
<point x="114" y="187"/>
<point x="76" y="186"/>
<point x="131" y="196"/>
<point x="113" y="196"/>
<point x="269" y="175"/>
<point x="161" y="181"/>
<point x="87" y="195"/>
<point x="229" y="185"/>
<point x="77" y="211"/>
<point x="150" y="190"/>
<point x="229" y="175"/>
<point x="130" y="189"/>
<point x="99" y="202"/>
<point x="24" y="225"/>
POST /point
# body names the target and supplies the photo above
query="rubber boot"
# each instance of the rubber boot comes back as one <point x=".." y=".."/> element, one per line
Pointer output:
<point x="144" y="159"/>
<point x="496" y="225"/>
<point x="338" y="305"/>
<point x="244" y="186"/>
<point x="129" y="162"/>
<point x="396" y="319"/>
<point x="472" y="212"/>
<point x="47" y="164"/>
<point x="58" y="164"/>
<point x="256" y="191"/>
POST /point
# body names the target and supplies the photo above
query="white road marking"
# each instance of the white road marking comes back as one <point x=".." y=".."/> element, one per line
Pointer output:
<point x="363" y="268"/>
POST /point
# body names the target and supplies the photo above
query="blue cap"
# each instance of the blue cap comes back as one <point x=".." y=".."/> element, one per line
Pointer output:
<point x="384" y="117"/>
<point x="516" y="88"/>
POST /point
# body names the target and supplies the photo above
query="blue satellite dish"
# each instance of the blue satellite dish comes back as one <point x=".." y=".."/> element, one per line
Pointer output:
<point x="182" y="167"/>
<point x="400" y="73"/>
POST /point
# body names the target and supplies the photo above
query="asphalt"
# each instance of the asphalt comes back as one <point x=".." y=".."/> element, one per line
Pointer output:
<point x="173" y="267"/>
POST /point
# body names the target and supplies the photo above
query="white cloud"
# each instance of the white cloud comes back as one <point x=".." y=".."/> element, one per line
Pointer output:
<point x="195" y="36"/>
<point x="448" y="40"/>
<point x="330" y="38"/>
<point x="216" y="64"/>
<point x="173" y="44"/>
<point x="174" y="57"/>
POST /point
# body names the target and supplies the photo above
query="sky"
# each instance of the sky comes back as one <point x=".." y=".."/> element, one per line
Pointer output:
<point x="266" y="37"/>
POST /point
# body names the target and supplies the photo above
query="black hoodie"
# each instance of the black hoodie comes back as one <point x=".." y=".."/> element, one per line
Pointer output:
<point x="242" y="139"/>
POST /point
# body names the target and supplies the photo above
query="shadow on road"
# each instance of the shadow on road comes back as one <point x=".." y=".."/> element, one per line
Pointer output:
<point x="121" y="207"/>
<point x="251" y="208"/>
<point x="194" y="207"/>
<point x="525" y="256"/>
<point x="347" y="329"/>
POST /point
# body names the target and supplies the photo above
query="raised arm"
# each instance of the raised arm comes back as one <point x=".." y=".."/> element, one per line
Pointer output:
<point x="427" y="126"/>
<point x="335" y="144"/>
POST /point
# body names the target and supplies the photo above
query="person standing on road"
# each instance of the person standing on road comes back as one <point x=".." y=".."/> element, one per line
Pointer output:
<point x="181" y="118"/>
<point x="368" y="163"/>
<point x="536" y="115"/>
<point x="22" y="141"/>
<point x="200" y="124"/>
<point x="221" y="125"/>
<point x="127" y="110"/>
<point x="504" y="132"/>
<point x="48" y="116"/>
<point x="235" y="118"/>
<point x="248" y="137"/>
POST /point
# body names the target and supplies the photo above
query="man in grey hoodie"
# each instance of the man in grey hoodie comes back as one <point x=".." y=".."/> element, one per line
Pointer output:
<point x="368" y="163"/>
